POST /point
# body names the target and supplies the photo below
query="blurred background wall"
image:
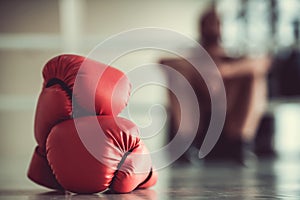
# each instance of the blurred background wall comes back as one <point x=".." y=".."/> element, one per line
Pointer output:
<point x="33" y="31"/>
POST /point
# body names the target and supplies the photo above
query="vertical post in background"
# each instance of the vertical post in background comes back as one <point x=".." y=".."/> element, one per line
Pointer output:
<point x="243" y="15"/>
<point x="296" y="32"/>
<point x="71" y="23"/>
<point x="273" y="44"/>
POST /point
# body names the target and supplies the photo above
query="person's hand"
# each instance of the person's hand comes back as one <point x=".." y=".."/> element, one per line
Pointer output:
<point x="261" y="66"/>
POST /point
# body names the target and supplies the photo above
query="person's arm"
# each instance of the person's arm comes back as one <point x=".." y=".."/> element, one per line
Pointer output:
<point x="244" y="67"/>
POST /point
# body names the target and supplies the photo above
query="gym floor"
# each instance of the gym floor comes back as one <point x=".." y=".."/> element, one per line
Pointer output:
<point x="259" y="179"/>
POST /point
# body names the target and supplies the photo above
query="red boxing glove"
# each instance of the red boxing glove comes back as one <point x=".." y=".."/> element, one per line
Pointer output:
<point x="109" y="96"/>
<point x="123" y="162"/>
<point x="109" y="86"/>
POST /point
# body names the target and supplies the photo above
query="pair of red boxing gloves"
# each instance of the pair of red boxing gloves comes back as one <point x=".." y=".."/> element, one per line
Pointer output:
<point x="83" y="146"/>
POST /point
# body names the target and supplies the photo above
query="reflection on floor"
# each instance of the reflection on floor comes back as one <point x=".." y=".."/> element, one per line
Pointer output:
<point x="267" y="179"/>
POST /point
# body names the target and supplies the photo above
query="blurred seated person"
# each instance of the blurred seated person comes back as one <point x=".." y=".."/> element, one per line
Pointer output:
<point x="245" y="84"/>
